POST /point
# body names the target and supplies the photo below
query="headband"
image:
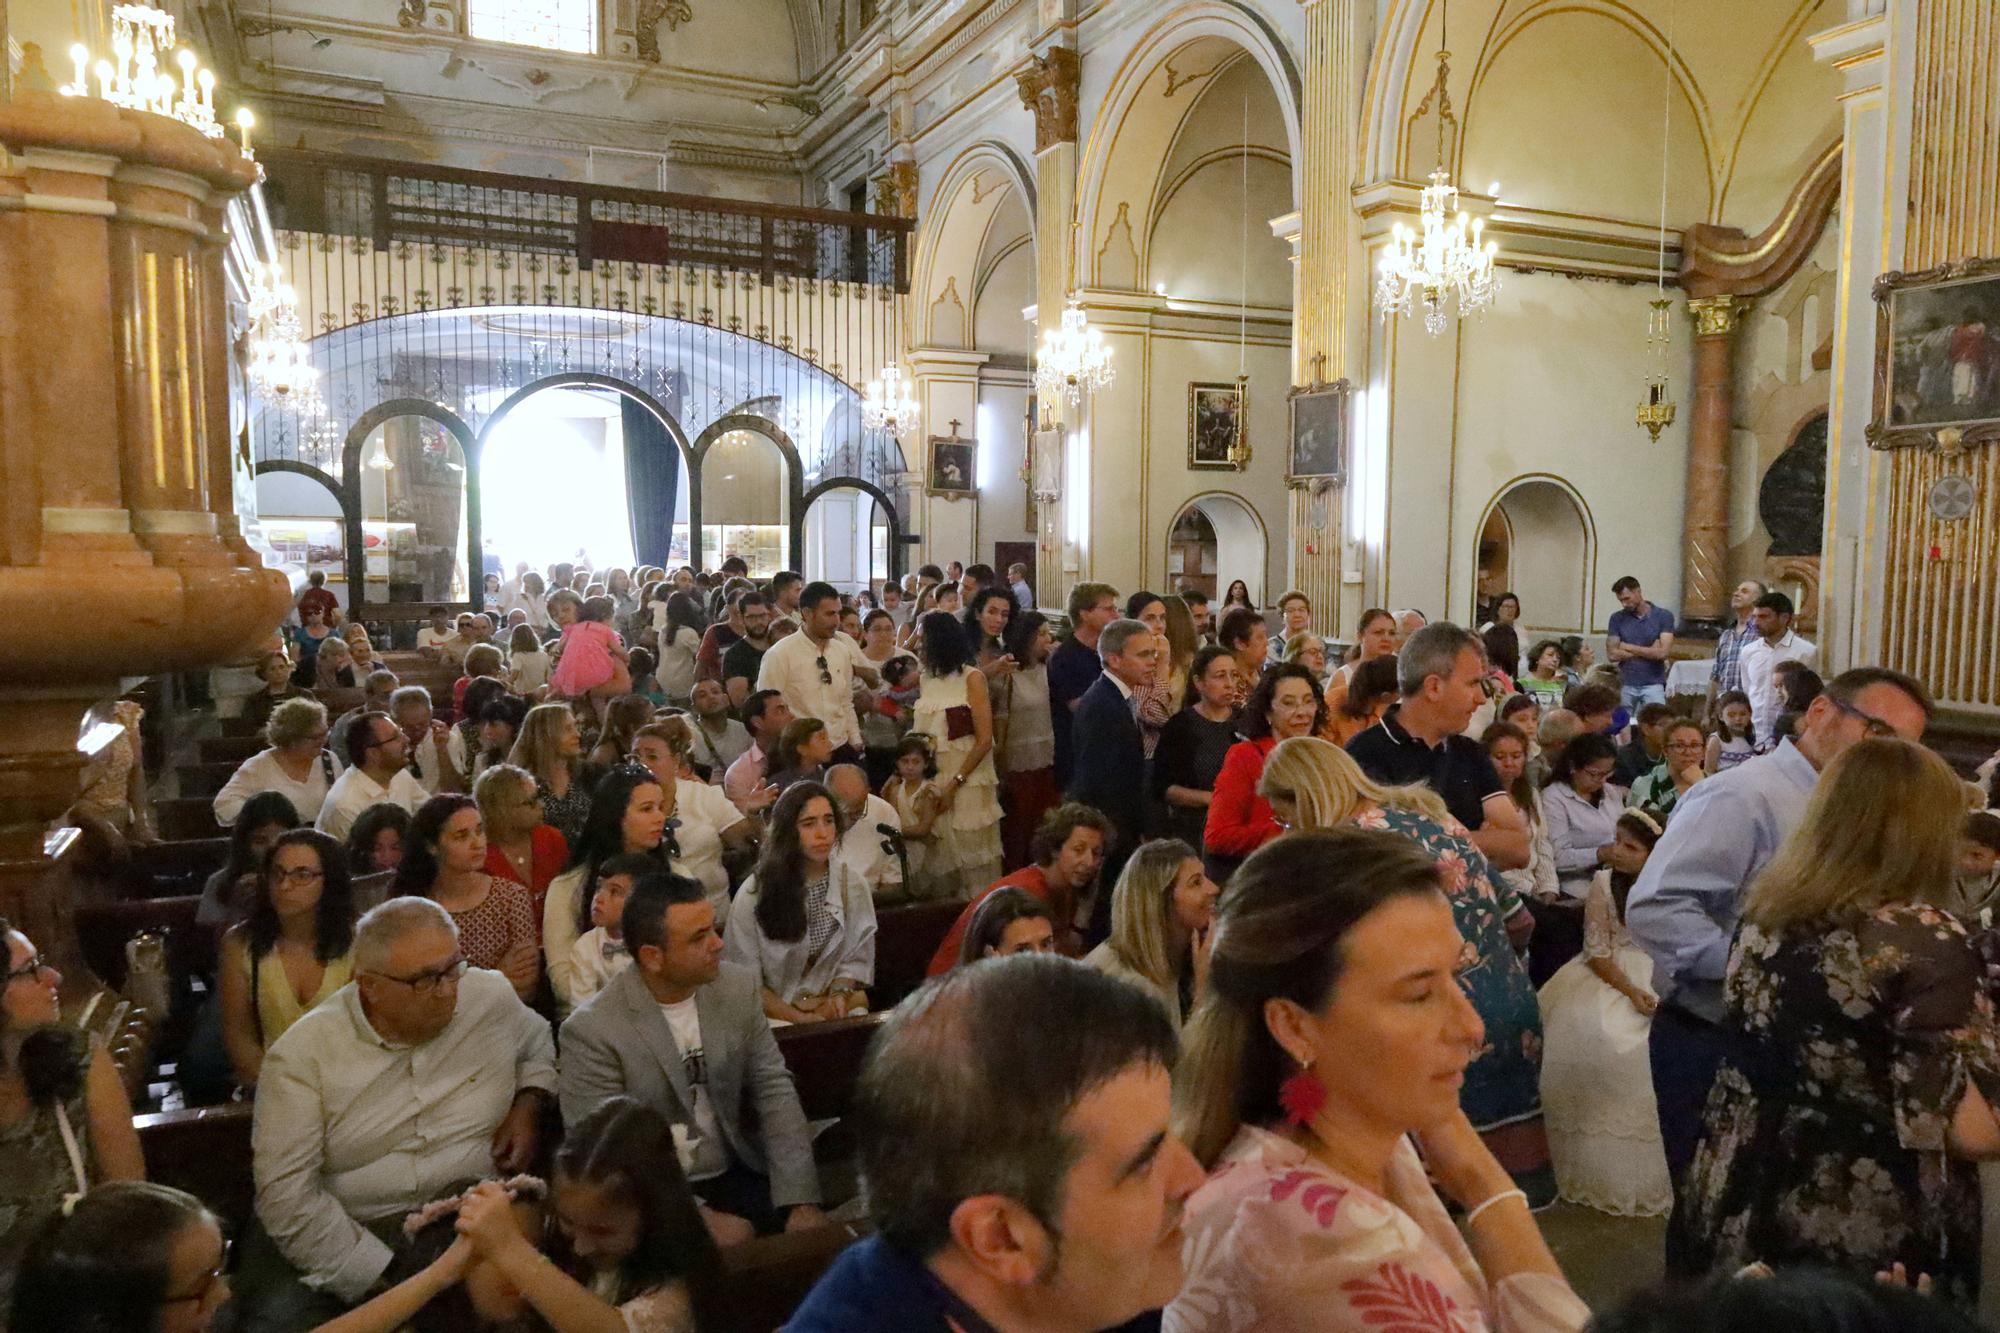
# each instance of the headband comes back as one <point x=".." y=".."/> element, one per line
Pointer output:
<point x="521" y="1189"/>
<point x="1644" y="818"/>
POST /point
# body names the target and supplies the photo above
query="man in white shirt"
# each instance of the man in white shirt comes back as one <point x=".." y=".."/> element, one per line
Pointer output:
<point x="377" y="774"/>
<point x="412" y="1078"/>
<point x="426" y="739"/>
<point x="865" y="846"/>
<point x="719" y="739"/>
<point x="1775" y="643"/>
<point x="432" y="638"/>
<point x="815" y="669"/>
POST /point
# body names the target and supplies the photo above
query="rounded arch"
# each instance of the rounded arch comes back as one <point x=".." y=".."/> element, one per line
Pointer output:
<point x="587" y="380"/>
<point x="945" y="272"/>
<point x="350" y="501"/>
<point x="873" y="492"/>
<point x="1242" y="544"/>
<point x="1109" y="157"/>
<point x="795" y="485"/>
<point x="1552" y="556"/>
<point x="330" y="484"/>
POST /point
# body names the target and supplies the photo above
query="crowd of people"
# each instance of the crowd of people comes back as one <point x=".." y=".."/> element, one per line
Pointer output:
<point x="1290" y="979"/>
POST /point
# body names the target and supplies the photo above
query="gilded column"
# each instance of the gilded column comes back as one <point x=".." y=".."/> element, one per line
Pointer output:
<point x="1049" y="87"/>
<point x="1705" y="528"/>
<point x="1336" y="57"/>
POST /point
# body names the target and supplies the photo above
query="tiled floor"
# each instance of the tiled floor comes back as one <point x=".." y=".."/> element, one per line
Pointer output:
<point x="1605" y="1257"/>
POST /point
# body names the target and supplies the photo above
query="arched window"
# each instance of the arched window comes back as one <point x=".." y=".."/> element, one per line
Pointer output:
<point x="553" y="25"/>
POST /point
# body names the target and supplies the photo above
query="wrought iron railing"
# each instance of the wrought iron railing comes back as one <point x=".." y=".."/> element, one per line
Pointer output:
<point x="392" y="203"/>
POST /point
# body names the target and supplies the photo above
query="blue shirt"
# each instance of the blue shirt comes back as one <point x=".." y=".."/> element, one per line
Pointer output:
<point x="1727" y="673"/>
<point x="1683" y="909"/>
<point x="1641" y="632"/>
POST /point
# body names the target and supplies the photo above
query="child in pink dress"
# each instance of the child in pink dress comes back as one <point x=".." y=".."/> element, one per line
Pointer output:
<point x="592" y="664"/>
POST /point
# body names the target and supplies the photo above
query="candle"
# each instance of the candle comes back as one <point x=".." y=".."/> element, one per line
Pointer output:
<point x="244" y="120"/>
<point x="81" y="55"/>
<point x="208" y="94"/>
<point x="104" y="79"/>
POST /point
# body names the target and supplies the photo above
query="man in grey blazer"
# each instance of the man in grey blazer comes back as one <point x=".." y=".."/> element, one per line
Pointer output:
<point x="685" y="1033"/>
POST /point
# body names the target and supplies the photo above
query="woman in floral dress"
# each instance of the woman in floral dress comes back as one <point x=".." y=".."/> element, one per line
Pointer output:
<point x="1313" y="784"/>
<point x="1837" y="1130"/>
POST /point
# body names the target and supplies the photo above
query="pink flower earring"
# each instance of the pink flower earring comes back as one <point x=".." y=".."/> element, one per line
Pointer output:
<point x="1301" y="1096"/>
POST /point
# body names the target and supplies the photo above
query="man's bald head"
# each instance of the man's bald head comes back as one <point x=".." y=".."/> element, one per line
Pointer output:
<point x="849" y="786"/>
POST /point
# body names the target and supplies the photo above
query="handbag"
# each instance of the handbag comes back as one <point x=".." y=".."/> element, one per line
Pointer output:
<point x="958" y="723"/>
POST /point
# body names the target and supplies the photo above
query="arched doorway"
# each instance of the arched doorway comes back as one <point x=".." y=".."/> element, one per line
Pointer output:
<point x="409" y="499"/>
<point x="1537" y="541"/>
<point x="749" y="496"/>
<point x="849" y="538"/>
<point x="1213" y="541"/>
<point x="303" y="523"/>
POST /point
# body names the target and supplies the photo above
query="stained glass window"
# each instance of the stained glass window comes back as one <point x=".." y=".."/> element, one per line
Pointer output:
<point x="553" y="25"/>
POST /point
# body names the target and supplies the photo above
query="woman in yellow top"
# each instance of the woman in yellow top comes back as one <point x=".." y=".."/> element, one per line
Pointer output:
<point x="294" y="951"/>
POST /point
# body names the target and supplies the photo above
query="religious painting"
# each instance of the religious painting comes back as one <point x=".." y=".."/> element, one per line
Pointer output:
<point x="950" y="474"/>
<point x="1937" y="357"/>
<point x="1319" y="433"/>
<point x="1216" y="421"/>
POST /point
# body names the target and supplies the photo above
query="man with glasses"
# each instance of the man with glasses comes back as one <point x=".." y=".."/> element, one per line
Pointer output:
<point x="1757" y="663"/>
<point x="414" y="1077"/>
<point x="815" y="670"/>
<point x="378" y="774"/>
<point x="1682" y="910"/>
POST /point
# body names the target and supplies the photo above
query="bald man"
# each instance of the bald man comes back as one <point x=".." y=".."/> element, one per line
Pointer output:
<point x="867" y="846"/>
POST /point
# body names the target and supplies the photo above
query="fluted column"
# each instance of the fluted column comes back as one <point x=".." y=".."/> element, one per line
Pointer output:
<point x="1705" y="528"/>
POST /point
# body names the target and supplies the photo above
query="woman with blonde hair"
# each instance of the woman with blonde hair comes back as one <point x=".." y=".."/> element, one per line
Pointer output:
<point x="297" y="764"/>
<point x="1312" y="784"/>
<point x="550" y="747"/>
<point x="1857" y="1085"/>
<point x="1331" y="1034"/>
<point x="333" y="668"/>
<point x="1161" y="912"/>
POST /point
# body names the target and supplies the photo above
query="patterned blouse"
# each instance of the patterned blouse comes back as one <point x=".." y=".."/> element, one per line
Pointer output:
<point x="503" y="919"/>
<point x="1277" y="1242"/>
<point x="565" y="813"/>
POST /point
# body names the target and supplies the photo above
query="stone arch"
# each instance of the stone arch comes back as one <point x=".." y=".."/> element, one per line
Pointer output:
<point x="1124" y="156"/>
<point x="350" y="499"/>
<point x="874" y="492"/>
<point x="794" y="479"/>
<point x="1552" y="551"/>
<point x="587" y="380"/>
<point x="946" y="273"/>
<point x="1243" y="543"/>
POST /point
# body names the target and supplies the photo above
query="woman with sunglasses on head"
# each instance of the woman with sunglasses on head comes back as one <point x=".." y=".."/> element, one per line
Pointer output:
<point x="293" y="952"/>
<point x="701" y="821"/>
<point x="65" y="1123"/>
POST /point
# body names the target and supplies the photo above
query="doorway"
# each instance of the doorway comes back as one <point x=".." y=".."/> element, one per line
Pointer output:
<point x="1215" y="540"/>
<point x="1537" y="542"/>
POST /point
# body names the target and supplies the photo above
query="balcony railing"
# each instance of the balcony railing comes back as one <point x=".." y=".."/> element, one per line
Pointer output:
<point x="389" y="203"/>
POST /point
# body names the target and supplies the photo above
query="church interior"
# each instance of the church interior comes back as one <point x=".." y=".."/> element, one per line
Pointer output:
<point x="1408" y="305"/>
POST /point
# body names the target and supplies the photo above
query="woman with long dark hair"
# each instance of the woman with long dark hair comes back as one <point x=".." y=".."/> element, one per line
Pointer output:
<point x="225" y="899"/>
<point x="292" y="953"/>
<point x="444" y="860"/>
<point x="64" y="1121"/>
<point x="627" y="817"/>
<point x="1028" y="753"/>
<point x="679" y="624"/>
<point x="375" y="843"/>
<point x="1006" y="922"/>
<point x="805" y="922"/>
<point x="954" y="710"/>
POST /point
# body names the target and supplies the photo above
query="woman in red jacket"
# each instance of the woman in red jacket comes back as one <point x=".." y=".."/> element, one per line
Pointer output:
<point x="1286" y="703"/>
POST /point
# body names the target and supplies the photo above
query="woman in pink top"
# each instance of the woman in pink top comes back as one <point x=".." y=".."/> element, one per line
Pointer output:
<point x="1333" y="1030"/>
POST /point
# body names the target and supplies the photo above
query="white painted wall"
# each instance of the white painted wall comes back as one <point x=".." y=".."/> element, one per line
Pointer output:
<point x="1552" y="559"/>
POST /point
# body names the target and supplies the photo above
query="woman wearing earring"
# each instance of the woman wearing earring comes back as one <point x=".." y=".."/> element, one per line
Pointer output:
<point x="1332" y="1031"/>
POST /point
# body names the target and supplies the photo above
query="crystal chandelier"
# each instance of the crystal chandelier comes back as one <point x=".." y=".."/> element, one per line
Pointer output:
<point x="281" y="370"/>
<point x="137" y="77"/>
<point x="1075" y="359"/>
<point x="1446" y="263"/>
<point x="890" y="403"/>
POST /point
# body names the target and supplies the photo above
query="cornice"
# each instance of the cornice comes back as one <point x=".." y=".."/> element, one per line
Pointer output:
<point x="1533" y="239"/>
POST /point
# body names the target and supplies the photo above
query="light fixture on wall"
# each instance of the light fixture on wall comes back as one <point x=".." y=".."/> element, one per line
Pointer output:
<point x="890" y="403"/>
<point x="1656" y="409"/>
<point x="1445" y="262"/>
<point x="1074" y="360"/>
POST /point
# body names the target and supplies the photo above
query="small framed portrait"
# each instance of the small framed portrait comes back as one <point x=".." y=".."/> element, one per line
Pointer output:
<point x="1320" y="414"/>
<point x="1217" y="417"/>
<point x="950" y="475"/>
<point x="1937" y="357"/>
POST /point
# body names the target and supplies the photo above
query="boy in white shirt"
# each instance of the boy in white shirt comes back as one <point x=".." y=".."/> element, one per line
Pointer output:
<point x="600" y="953"/>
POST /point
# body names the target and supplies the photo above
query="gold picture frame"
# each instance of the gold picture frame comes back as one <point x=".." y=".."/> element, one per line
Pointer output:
<point x="1937" y="357"/>
<point x="1218" y="416"/>
<point x="951" y="466"/>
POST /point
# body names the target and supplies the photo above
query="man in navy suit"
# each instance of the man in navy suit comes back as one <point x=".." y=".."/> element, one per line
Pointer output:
<point x="1107" y="755"/>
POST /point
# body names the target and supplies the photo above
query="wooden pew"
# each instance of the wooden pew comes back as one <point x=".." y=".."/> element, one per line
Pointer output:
<point x="230" y="749"/>
<point x="187" y="818"/>
<point x="240" y="727"/>
<point x="173" y="869"/>
<point x="206" y="779"/>
<point x="103" y="928"/>
<point x="825" y="1060"/>
<point x="905" y="939"/>
<point x="764" y="1282"/>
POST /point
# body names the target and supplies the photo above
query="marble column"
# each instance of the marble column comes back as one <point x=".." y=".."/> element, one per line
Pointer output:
<point x="1705" y="528"/>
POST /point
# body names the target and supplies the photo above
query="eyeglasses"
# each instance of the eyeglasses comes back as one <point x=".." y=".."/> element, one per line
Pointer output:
<point x="428" y="983"/>
<point x="32" y="969"/>
<point x="208" y="1280"/>
<point x="1684" y="745"/>
<point x="825" y="676"/>
<point x="1875" y="726"/>
<point x="299" y="875"/>
<point x="1596" y="774"/>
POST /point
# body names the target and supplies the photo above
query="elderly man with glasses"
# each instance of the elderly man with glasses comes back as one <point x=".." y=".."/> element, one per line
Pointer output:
<point x="414" y="1077"/>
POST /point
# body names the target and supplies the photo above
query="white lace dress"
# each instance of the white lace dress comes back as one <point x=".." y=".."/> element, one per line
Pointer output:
<point x="965" y="840"/>
<point x="1597" y="1083"/>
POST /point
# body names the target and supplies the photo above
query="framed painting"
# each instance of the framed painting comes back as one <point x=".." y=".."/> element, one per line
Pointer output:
<point x="1937" y="357"/>
<point x="949" y="474"/>
<point x="1217" y="417"/>
<point x="1320" y="416"/>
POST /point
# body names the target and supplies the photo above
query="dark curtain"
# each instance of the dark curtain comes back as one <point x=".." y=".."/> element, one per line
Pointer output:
<point x="652" y="479"/>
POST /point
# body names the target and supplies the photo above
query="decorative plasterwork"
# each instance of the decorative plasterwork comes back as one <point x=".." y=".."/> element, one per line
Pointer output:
<point x="1177" y="80"/>
<point x="652" y="13"/>
<point x="1049" y="88"/>
<point x="538" y="83"/>
<point x="1716" y="316"/>
<point x="1719" y="260"/>
<point x="896" y="190"/>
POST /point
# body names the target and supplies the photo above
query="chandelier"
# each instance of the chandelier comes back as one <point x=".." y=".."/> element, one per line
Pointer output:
<point x="890" y="403"/>
<point x="281" y="370"/>
<point x="1656" y="410"/>
<point x="137" y="76"/>
<point x="1074" y="358"/>
<point x="1445" y="263"/>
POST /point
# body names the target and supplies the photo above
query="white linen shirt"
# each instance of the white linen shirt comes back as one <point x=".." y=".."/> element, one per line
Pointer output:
<point x="791" y="667"/>
<point x="1757" y="664"/>
<point x="861" y="846"/>
<point x="704" y="812"/>
<point x="355" y="791"/>
<point x="781" y="967"/>
<point x="349" y="1128"/>
<point x="261" y="772"/>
